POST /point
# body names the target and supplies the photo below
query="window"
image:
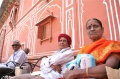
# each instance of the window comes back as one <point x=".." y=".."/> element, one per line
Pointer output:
<point x="44" y="28"/>
<point x="44" y="31"/>
<point x="14" y="14"/>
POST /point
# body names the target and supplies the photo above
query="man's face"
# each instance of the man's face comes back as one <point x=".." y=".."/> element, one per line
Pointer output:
<point x="63" y="43"/>
<point x="16" y="46"/>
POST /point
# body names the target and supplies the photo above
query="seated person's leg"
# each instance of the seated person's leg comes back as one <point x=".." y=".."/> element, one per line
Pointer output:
<point x="26" y="76"/>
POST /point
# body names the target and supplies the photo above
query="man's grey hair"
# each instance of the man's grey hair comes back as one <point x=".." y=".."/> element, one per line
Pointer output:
<point x="17" y="41"/>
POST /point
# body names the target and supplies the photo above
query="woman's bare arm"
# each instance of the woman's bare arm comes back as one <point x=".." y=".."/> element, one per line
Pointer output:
<point x="93" y="72"/>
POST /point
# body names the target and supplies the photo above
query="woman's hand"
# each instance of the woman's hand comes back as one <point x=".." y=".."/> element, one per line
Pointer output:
<point x="57" y="68"/>
<point x="71" y="74"/>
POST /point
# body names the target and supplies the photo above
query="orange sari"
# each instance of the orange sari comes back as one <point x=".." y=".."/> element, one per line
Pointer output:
<point x="101" y="49"/>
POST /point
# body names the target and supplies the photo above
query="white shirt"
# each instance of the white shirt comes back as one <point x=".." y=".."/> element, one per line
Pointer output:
<point x="18" y="57"/>
<point x="61" y="57"/>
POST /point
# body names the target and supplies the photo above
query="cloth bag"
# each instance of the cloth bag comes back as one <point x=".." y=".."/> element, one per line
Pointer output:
<point x="113" y="73"/>
<point x="82" y="61"/>
<point x="19" y="71"/>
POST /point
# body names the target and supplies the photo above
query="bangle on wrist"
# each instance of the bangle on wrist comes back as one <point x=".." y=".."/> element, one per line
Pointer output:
<point x="87" y="72"/>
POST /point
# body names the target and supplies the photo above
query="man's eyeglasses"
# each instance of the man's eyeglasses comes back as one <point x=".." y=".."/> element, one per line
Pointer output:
<point x="15" y="45"/>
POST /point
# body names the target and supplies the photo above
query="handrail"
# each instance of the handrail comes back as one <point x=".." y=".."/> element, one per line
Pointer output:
<point x="32" y="66"/>
<point x="15" y="63"/>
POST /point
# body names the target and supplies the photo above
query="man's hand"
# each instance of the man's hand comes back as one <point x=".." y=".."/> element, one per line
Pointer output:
<point x="57" y="68"/>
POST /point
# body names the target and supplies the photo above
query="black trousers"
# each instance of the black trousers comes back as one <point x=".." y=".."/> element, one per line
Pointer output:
<point x="6" y="71"/>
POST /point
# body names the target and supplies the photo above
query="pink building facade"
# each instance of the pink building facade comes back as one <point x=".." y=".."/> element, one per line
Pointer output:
<point x="37" y="24"/>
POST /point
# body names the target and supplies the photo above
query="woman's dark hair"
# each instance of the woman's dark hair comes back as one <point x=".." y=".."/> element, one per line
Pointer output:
<point x="95" y="20"/>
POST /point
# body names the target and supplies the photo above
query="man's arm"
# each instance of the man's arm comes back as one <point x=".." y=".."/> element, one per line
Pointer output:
<point x="21" y="57"/>
<point x="62" y="58"/>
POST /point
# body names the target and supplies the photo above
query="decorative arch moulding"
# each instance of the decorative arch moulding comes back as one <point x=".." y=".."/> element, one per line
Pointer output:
<point x="49" y="16"/>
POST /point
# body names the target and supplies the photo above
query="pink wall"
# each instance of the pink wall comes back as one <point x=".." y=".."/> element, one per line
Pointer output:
<point x="70" y="17"/>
